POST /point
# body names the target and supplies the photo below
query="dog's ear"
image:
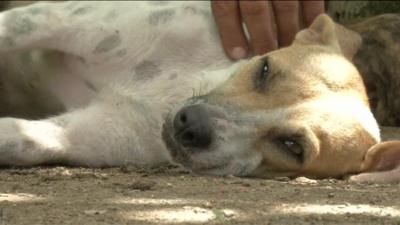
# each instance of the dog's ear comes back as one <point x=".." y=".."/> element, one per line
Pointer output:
<point x="325" y="31"/>
<point x="381" y="163"/>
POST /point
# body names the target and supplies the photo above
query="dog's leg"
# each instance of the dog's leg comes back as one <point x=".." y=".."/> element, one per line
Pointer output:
<point x="103" y="134"/>
<point x="24" y="142"/>
<point x="55" y="26"/>
<point x="30" y="27"/>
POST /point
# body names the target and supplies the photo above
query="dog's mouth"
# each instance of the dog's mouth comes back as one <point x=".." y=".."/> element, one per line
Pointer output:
<point x="190" y="144"/>
<point x="180" y="154"/>
<point x="174" y="148"/>
<point x="186" y="158"/>
<point x="216" y="153"/>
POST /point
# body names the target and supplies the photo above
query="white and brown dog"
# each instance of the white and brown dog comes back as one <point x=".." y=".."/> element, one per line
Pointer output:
<point x="146" y="83"/>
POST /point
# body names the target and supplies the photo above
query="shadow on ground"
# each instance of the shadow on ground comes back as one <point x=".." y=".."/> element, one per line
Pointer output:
<point x="169" y="195"/>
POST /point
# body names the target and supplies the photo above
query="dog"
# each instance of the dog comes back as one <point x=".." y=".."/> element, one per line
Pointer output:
<point x="148" y="83"/>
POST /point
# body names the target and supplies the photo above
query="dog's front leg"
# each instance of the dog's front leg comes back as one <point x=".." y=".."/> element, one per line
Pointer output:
<point x="35" y="26"/>
<point x="53" y="26"/>
<point x="103" y="134"/>
<point x="24" y="142"/>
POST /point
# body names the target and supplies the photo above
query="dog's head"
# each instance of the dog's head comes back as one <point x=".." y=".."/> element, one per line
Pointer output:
<point x="300" y="110"/>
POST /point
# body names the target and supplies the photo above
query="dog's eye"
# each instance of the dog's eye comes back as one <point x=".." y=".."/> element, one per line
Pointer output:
<point x="292" y="147"/>
<point x="262" y="75"/>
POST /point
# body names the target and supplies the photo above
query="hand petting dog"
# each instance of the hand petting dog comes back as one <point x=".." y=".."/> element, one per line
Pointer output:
<point x="271" y="24"/>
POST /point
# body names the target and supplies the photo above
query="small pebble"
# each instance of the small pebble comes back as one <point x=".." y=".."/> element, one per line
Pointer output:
<point x="305" y="180"/>
<point x="142" y="185"/>
<point x="94" y="212"/>
<point x="228" y="213"/>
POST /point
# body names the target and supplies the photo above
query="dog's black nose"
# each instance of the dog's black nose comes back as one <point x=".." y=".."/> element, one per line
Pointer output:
<point x="192" y="127"/>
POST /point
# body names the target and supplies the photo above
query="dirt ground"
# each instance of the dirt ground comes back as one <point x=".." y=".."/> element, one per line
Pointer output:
<point x="169" y="195"/>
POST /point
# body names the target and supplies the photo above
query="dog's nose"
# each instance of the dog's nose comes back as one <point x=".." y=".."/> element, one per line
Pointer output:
<point x="192" y="127"/>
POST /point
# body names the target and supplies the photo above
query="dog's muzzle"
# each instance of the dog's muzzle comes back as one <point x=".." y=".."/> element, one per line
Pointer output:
<point x="192" y="127"/>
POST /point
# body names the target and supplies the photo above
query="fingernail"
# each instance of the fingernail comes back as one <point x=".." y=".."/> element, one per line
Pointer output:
<point x="238" y="53"/>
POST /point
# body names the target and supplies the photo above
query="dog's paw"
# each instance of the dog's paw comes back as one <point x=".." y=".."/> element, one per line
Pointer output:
<point x="15" y="151"/>
<point x="392" y="176"/>
<point x="26" y="143"/>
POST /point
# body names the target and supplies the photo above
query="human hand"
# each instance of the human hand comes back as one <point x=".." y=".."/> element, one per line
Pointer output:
<point x="261" y="19"/>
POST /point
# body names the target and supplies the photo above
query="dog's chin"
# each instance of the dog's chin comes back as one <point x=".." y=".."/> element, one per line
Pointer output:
<point x="180" y="155"/>
<point x="211" y="161"/>
<point x="174" y="148"/>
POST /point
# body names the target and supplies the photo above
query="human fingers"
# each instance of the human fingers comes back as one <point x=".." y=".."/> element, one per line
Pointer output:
<point x="227" y="18"/>
<point x="258" y="19"/>
<point x="287" y="20"/>
<point x="311" y="9"/>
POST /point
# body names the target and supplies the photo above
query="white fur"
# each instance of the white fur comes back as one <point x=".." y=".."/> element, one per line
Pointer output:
<point x="140" y="59"/>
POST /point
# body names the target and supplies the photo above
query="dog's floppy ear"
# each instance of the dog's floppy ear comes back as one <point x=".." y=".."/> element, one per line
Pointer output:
<point x="381" y="163"/>
<point x="325" y="31"/>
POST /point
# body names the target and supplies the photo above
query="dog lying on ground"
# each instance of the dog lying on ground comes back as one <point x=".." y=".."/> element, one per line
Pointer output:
<point x="147" y="83"/>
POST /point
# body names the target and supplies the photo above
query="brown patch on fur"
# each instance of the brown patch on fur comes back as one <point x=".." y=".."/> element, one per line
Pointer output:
<point x="303" y="80"/>
<point x="338" y="157"/>
<point x="382" y="157"/>
<point x="290" y="74"/>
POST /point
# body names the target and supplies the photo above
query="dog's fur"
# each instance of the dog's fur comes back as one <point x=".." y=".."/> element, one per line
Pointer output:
<point x="125" y="71"/>
<point x="378" y="61"/>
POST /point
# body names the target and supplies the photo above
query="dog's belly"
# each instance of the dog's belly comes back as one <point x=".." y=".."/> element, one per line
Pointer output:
<point x="154" y="56"/>
<point x="158" y="70"/>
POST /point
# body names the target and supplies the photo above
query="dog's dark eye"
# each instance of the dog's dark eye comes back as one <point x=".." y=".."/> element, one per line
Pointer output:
<point x="262" y="74"/>
<point x="292" y="147"/>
